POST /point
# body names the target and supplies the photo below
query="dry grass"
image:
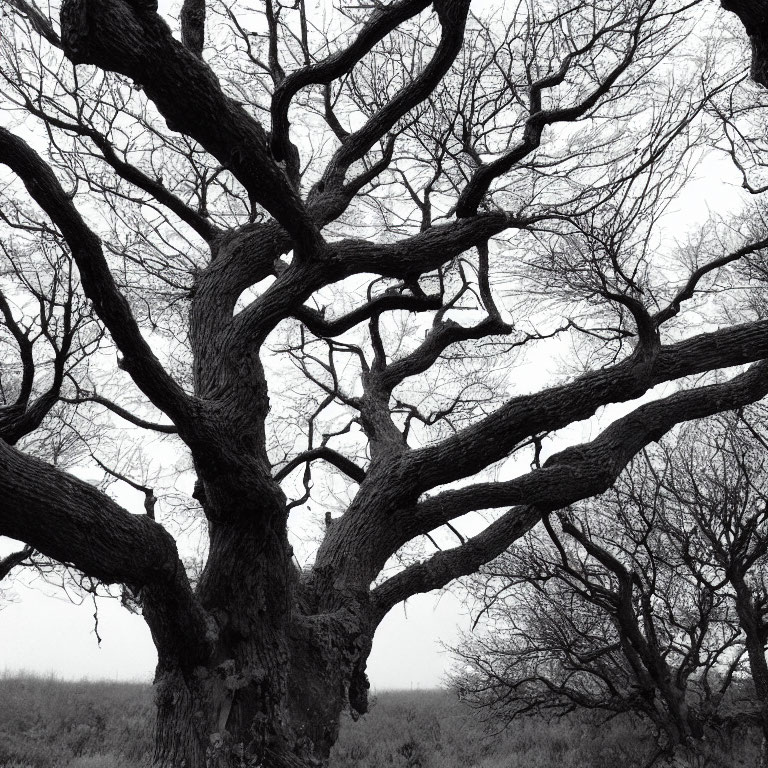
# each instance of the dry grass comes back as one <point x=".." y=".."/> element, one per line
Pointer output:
<point x="48" y="723"/>
<point x="433" y="730"/>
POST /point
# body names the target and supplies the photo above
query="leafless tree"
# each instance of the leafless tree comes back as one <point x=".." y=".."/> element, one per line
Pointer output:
<point x="603" y="616"/>
<point x="326" y="238"/>
<point x="713" y="487"/>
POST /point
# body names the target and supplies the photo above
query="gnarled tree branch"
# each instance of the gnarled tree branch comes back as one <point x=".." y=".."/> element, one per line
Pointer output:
<point x="579" y="472"/>
<point x="133" y="40"/>
<point x="72" y="522"/>
<point x="380" y="23"/>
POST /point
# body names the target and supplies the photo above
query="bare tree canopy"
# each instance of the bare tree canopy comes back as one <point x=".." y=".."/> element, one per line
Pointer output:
<point x="310" y="254"/>
<point x="649" y="600"/>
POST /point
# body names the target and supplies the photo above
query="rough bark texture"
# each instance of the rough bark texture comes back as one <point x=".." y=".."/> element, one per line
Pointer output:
<point x="753" y="625"/>
<point x="753" y="14"/>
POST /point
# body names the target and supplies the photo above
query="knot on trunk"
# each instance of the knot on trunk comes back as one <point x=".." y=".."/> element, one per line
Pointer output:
<point x="358" y="692"/>
<point x="193" y="25"/>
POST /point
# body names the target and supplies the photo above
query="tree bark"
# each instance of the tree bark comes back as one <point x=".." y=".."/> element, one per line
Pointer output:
<point x="273" y="690"/>
<point x="257" y="662"/>
<point x="280" y="673"/>
<point x="753" y="14"/>
<point x="752" y="624"/>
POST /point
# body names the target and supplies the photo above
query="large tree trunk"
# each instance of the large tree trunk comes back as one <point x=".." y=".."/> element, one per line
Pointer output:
<point x="274" y="689"/>
<point x="283" y="666"/>
<point x="222" y="717"/>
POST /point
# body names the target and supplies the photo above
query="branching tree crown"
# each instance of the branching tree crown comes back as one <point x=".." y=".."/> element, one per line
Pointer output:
<point x="311" y="248"/>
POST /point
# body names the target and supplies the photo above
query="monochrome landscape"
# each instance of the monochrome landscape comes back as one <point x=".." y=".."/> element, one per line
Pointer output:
<point x="309" y="309"/>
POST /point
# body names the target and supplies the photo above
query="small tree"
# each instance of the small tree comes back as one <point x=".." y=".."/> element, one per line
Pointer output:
<point x="660" y="591"/>
<point x="434" y="192"/>
<point x="714" y="486"/>
<point x="603" y="616"/>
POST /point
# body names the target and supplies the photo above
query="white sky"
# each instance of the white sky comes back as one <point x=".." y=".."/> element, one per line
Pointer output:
<point x="50" y="635"/>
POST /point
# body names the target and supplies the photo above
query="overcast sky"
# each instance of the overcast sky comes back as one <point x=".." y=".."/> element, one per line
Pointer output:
<point x="50" y="635"/>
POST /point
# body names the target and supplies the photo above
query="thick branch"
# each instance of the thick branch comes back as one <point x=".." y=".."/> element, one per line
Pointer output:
<point x="437" y="341"/>
<point x="452" y="15"/>
<point x="491" y="438"/>
<point x="405" y="260"/>
<point x="380" y="23"/>
<point x="17" y="421"/>
<point x="597" y="463"/>
<point x="426" y="251"/>
<point x="326" y="329"/>
<point x="98" y="283"/>
<point x="576" y="473"/>
<point x="753" y="14"/>
<point x="73" y="523"/>
<point x="449" y="564"/>
<point x="347" y="466"/>
<point x="131" y="39"/>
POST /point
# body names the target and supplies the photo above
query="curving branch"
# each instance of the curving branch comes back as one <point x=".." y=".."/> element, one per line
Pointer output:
<point x="540" y="118"/>
<point x="449" y="564"/>
<point x="341" y="462"/>
<point x="452" y="15"/>
<point x="687" y="291"/>
<point x="150" y="500"/>
<point x="600" y="460"/>
<point x="8" y="563"/>
<point x="576" y="473"/>
<point x="131" y="173"/>
<point x="753" y="14"/>
<point x="491" y="438"/>
<point x="123" y="413"/>
<point x="97" y="280"/>
<point x="380" y="23"/>
<point x="133" y="40"/>
<point x="442" y="336"/>
<point x="326" y="329"/>
<point x="426" y="251"/>
<point x="405" y="260"/>
<point x="398" y="476"/>
<point x="72" y="522"/>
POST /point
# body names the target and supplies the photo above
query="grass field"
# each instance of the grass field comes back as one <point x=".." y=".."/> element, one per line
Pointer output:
<point x="47" y="723"/>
